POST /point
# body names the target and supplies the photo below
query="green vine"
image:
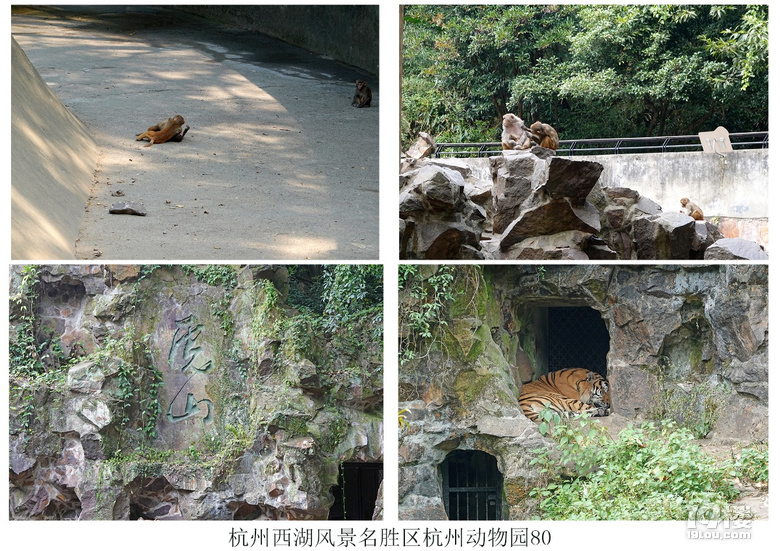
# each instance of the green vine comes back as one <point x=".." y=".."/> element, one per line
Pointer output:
<point x="25" y="353"/>
<point x="426" y="296"/>
<point x="213" y="274"/>
<point x="25" y="407"/>
<point x="138" y="381"/>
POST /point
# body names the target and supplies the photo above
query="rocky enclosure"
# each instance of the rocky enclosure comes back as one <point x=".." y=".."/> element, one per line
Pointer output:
<point x="185" y="393"/>
<point x="685" y="342"/>
<point x="533" y="205"/>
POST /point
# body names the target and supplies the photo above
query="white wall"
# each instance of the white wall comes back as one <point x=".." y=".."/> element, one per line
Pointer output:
<point x="736" y="185"/>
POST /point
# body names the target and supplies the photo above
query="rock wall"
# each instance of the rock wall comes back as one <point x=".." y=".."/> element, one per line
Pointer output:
<point x="732" y="185"/>
<point x="189" y="398"/>
<point x="676" y="334"/>
<point x="534" y="205"/>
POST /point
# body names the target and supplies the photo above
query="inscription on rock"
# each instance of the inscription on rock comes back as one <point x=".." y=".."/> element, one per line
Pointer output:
<point x="188" y="408"/>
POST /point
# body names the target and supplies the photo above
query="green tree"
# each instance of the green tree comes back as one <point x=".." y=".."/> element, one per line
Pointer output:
<point x="590" y="70"/>
<point x="349" y="289"/>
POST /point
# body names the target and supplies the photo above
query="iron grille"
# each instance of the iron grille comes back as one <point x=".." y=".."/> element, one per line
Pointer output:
<point x="355" y="495"/>
<point x="472" y="486"/>
<point x="576" y="337"/>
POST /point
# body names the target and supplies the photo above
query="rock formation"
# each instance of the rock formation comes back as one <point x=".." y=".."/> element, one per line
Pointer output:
<point x="671" y="336"/>
<point x="178" y="393"/>
<point x="534" y="205"/>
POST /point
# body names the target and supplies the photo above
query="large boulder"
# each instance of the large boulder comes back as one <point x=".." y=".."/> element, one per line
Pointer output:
<point x="669" y="235"/>
<point x="735" y="248"/>
<point x="438" y="220"/>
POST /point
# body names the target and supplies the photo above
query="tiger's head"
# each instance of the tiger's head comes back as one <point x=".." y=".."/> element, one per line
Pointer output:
<point x="595" y="390"/>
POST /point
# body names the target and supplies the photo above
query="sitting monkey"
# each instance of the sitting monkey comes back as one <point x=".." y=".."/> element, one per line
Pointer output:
<point x="691" y="209"/>
<point x="362" y="97"/>
<point x="545" y="135"/>
<point x="172" y="129"/>
<point x="515" y="135"/>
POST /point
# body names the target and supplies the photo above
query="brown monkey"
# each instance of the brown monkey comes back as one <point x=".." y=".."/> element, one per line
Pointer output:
<point x="362" y="97"/>
<point x="545" y="135"/>
<point x="172" y="129"/>
<point x="691" y="209"/>
<point x="515" y="135"/>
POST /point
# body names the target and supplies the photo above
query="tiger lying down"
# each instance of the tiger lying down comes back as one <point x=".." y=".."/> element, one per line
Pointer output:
<point x="567" y="390"/>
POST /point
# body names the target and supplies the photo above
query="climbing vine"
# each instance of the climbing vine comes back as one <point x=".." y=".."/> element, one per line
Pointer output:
<point x="138" y="381"/>
<point x="24" y="351"/>
<point x="426" y="294"/>
<point x="696" y="407"/>
<point x="213" y="274"/>
<point x="340" y="321"/>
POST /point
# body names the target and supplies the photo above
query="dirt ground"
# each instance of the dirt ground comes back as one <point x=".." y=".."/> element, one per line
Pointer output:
<point x="277" y="163"/>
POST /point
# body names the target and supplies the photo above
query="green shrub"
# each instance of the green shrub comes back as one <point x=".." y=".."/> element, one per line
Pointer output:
<point x="752" y="464"/>
<point x="650" y="472"/>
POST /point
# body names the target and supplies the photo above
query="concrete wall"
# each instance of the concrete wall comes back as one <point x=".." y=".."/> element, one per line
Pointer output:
<point x="736" y="185"/>
<point x="349" y="34"/>
<point x="53" y="159"/>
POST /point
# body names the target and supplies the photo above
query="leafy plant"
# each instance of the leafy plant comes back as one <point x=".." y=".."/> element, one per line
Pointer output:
<point x="349" y="290"/>
<point x="138" y="381"/>
<point x="650" y="472"/>
<point x="752" y="464"/>
<point x="213" y="274"/>
<point x="25" y="406"/>
<point x="402" y="422"/>
<point x="340" y="326"/>
<point x="421" y="314"/>
<point x="24" y="350"/>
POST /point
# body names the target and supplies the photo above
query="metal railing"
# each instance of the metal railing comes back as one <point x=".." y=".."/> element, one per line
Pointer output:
<point x="611" y="146"/>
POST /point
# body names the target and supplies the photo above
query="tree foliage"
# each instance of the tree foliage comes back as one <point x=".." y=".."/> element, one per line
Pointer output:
<point x="589" y="70"/>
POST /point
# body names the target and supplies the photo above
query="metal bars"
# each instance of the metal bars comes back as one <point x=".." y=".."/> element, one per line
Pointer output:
<point x="610" y="146"/>
<point x="472" y="486"/>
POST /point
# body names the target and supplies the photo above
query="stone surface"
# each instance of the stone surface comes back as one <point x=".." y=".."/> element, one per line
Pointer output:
<point x="735" y="249"/>
<point x="438" y="220"/>
<point x="670" y="328"/>
<point x="423" y="147"/>
<point x="551" y="218"/>
<point x="173" y="418"/>
<point x="668" y="235"/>
<point x="127" y="207"/>
<point x="491" y="205"/>
<point x="572" y="179"/>
<point x="516" y="178"/>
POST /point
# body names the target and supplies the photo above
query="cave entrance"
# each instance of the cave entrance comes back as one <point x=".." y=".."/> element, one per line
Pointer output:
<point x="572" y="336"/>
<point x="472" y="486"/>
<point x="356" y="491"/>
<point x="153" y="498"/>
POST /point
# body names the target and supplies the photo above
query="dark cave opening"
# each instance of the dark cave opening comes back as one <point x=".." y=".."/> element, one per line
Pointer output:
<point x="576" y="336"/>
<point x="355" y="494"/>
<point x="472" y="486"/>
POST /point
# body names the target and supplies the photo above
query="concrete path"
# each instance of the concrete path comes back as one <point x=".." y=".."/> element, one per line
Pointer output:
<point x="276" y="165"/>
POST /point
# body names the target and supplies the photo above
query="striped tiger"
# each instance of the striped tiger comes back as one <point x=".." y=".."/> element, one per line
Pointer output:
<point x="567" y="390"/>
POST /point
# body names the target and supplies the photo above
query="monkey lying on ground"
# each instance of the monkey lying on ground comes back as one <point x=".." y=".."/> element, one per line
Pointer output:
<point x="362" y="97"/>
<point x="515" y="135"/>
<point x="691" y="209"/>
<point x="545" y="135"/>
<point x="172" y="129"/>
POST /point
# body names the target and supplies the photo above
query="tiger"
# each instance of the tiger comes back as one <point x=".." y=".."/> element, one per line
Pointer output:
<point x="567" y="390"/>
